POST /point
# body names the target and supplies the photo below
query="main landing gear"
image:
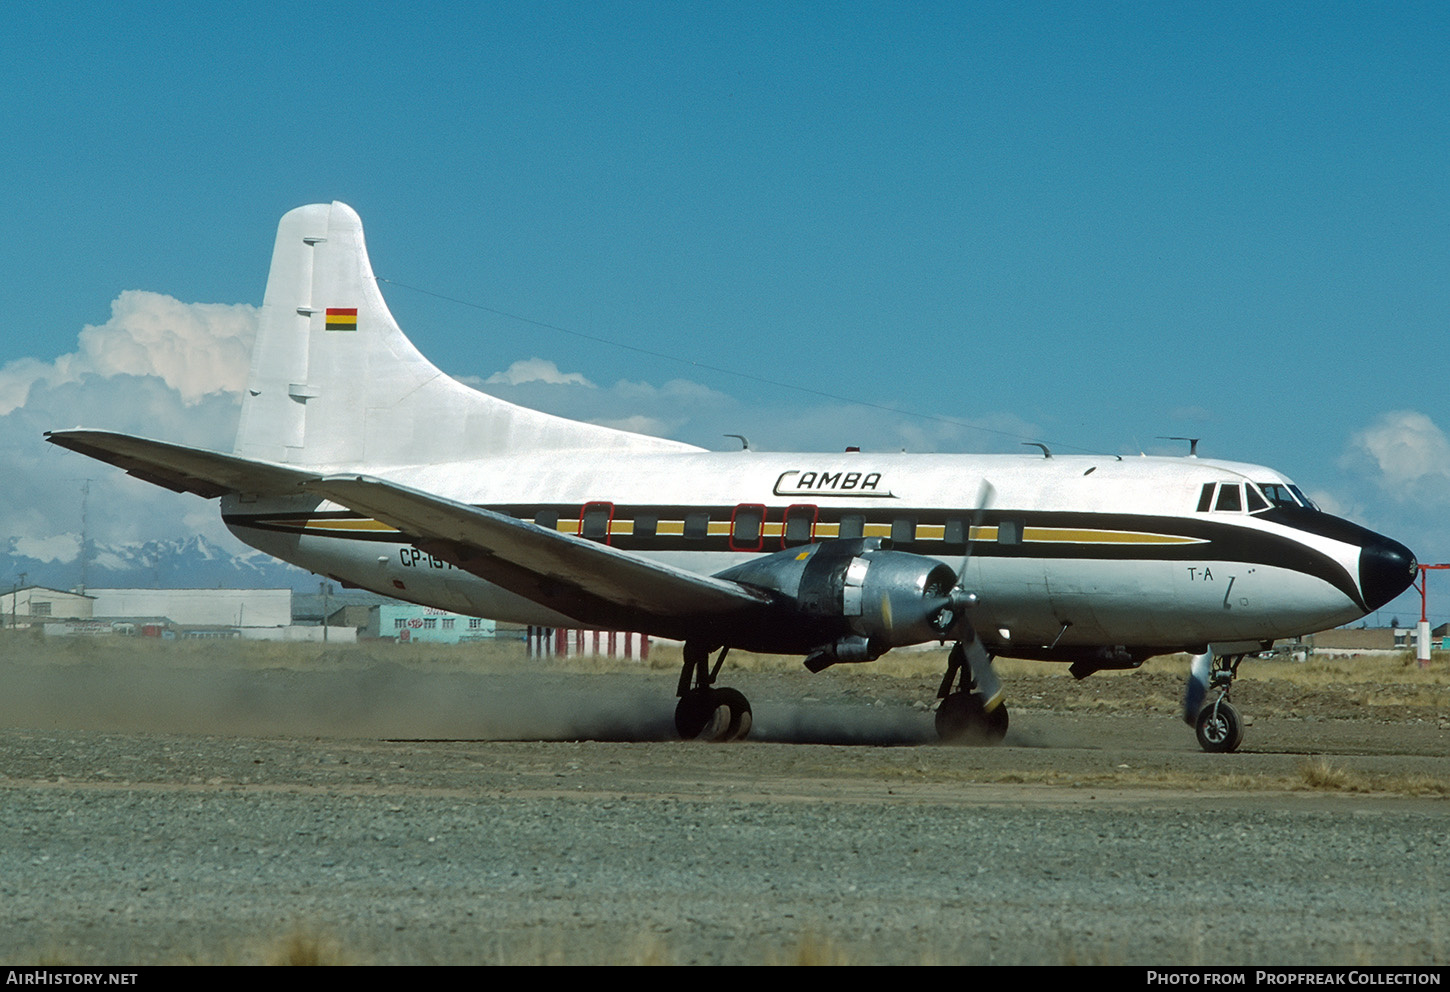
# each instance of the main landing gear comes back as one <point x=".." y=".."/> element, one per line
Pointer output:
<point x="1218" y="725"/>
<point x="963" y="716"/>
<point x="704" y="712"/>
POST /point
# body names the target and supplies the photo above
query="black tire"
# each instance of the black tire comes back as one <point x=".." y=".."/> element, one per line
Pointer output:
<point x="1219" y="727"/>
<point x="734" y="702"/>
<point x="717" y="715"/>
<point x="692" y="712"/>
<point x="962" y="719"/>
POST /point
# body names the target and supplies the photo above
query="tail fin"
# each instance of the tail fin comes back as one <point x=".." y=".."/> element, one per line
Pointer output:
<point x="335" y="383"/>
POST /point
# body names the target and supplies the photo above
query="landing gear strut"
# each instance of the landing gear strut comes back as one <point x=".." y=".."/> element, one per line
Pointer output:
<point x="1218" y="725"/>
<point x="705" y="712"/>
<point x="963" y="717"/>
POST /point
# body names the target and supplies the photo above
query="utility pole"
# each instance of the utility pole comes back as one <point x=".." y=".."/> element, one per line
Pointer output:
<point x="324" y="588"/>
<point x="85" y="547"/>
<point x="1422" y="634"/>
<point x="15" y="601"/>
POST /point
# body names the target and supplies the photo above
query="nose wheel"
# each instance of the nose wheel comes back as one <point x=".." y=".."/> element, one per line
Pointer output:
<point x="1219" y="727"/>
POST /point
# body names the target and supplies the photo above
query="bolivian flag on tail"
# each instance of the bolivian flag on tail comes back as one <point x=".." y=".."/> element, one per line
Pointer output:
<point x="342" y="318"/>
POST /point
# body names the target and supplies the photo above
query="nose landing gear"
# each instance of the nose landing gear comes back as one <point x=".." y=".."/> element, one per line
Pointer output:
<point x="1218" y="725"/>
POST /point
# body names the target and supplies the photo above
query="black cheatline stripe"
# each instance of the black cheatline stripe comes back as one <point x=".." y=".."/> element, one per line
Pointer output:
<point x="1224" y="542"/>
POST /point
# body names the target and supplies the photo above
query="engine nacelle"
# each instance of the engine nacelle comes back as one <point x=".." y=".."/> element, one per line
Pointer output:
<point x="859" y="599"/>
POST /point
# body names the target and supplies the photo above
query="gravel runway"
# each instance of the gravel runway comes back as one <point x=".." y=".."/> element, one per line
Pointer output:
<point x="173" y="815"/>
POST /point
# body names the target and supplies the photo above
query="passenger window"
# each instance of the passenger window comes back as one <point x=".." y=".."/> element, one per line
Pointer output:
<point x="594" y="524"/>
<point x="645" y="524"/>
<point x="1230" y="498"/>
<point x="1009" y="532"/>
<point x="955" y="535"/>
<point x="547" y="519"/>
<point x="745" y="532"/>
<point x="853" y="526"/>
<point x="697" y="526"/>
<point x="903" y="530"/>
<point x="800" y="525"/>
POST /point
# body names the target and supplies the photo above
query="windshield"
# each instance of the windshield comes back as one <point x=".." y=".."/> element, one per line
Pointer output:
<point x="1303" y="499"/>
<point x="1285" y="494"/>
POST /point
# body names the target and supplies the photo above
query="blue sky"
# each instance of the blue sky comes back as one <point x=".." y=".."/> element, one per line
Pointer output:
<point x="1086" y="223"/>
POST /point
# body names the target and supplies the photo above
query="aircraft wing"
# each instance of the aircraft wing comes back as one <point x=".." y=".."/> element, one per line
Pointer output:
<point x="593" y="582"/>
<point x="181" y="468"/>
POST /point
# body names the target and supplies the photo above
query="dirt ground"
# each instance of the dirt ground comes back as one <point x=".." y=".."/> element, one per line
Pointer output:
<point x="243" y="803"/>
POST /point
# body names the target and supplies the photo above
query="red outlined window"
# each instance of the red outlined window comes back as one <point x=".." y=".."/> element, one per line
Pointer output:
<point x="747" y="527"/>
<point x="595" y="520"/>
<point x="800" y="525"/>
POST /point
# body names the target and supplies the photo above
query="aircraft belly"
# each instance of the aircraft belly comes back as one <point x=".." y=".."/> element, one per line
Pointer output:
<point x="1148" y="603"/>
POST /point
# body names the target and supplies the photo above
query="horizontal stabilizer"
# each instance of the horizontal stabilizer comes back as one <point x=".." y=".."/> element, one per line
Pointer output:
<point x="181" y="468"/>
<point x="582" y="578"/>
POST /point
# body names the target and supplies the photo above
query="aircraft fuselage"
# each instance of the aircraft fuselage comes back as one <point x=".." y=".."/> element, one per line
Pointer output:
<point x="1064" y="553"/>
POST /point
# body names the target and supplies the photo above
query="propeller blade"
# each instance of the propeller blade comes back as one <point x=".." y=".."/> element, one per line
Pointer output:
<point x="1199" y="668"/>
<point x="980" y="663"/>
<point x="986" y="492"/>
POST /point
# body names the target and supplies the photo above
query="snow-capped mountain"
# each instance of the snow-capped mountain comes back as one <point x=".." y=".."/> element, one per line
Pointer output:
<point x="190" y="563"/>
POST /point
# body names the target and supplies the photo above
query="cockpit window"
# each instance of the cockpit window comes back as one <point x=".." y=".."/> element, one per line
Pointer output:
<point x="1284" y="494"/>
<point x="1229" y="498"/>
<point x="1278" y="494"/>
<point x="1255" y="501"/>
<point x="1205" y="498"/>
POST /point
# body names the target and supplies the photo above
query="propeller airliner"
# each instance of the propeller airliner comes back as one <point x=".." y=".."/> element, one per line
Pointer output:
<point x="356" y="458"/>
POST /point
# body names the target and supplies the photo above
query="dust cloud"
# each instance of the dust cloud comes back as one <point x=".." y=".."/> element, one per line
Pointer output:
<point x="232" y="693"/>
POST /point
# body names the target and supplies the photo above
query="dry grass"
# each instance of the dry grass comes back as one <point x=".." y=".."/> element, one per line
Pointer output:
<point x="306" y="947"/>
<point x="813" y="950"/>
<point x="1320" y="774"/>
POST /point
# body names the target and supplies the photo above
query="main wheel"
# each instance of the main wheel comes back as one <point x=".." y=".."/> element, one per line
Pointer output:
<point x="962" y="719"/>
<point x="1219" y="727"/>
<point x="713" y="715"/>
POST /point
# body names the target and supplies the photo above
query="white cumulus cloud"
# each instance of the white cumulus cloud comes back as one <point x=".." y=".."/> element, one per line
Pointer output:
<point x="197" y="349"/>
<point x="536" y="370"/>
<point x="1405" y="453"/>
<point x="158" y="367"/>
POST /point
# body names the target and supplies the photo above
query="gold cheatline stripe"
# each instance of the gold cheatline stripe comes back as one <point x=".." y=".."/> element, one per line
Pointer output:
<point x="324" y="525"/>
<point x="1067" y="535"/>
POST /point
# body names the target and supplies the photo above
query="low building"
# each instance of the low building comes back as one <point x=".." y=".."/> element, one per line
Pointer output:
<point x="406" y="622"/>
<point x="28" y="605"/>
<point x="199" y="607"/>
<point x="1364" y="639"/>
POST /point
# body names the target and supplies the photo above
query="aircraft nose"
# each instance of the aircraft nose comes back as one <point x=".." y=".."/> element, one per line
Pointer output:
<point x="1386" y="569"/>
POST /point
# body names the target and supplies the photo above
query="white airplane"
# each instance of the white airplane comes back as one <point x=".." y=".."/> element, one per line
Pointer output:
<point x="358" y="459"/>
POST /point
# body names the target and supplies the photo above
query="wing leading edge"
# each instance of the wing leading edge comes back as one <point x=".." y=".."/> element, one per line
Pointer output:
<point x="593" y="582"/>
<point x="181" y="468"/>
<point x="596" y="584"/>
